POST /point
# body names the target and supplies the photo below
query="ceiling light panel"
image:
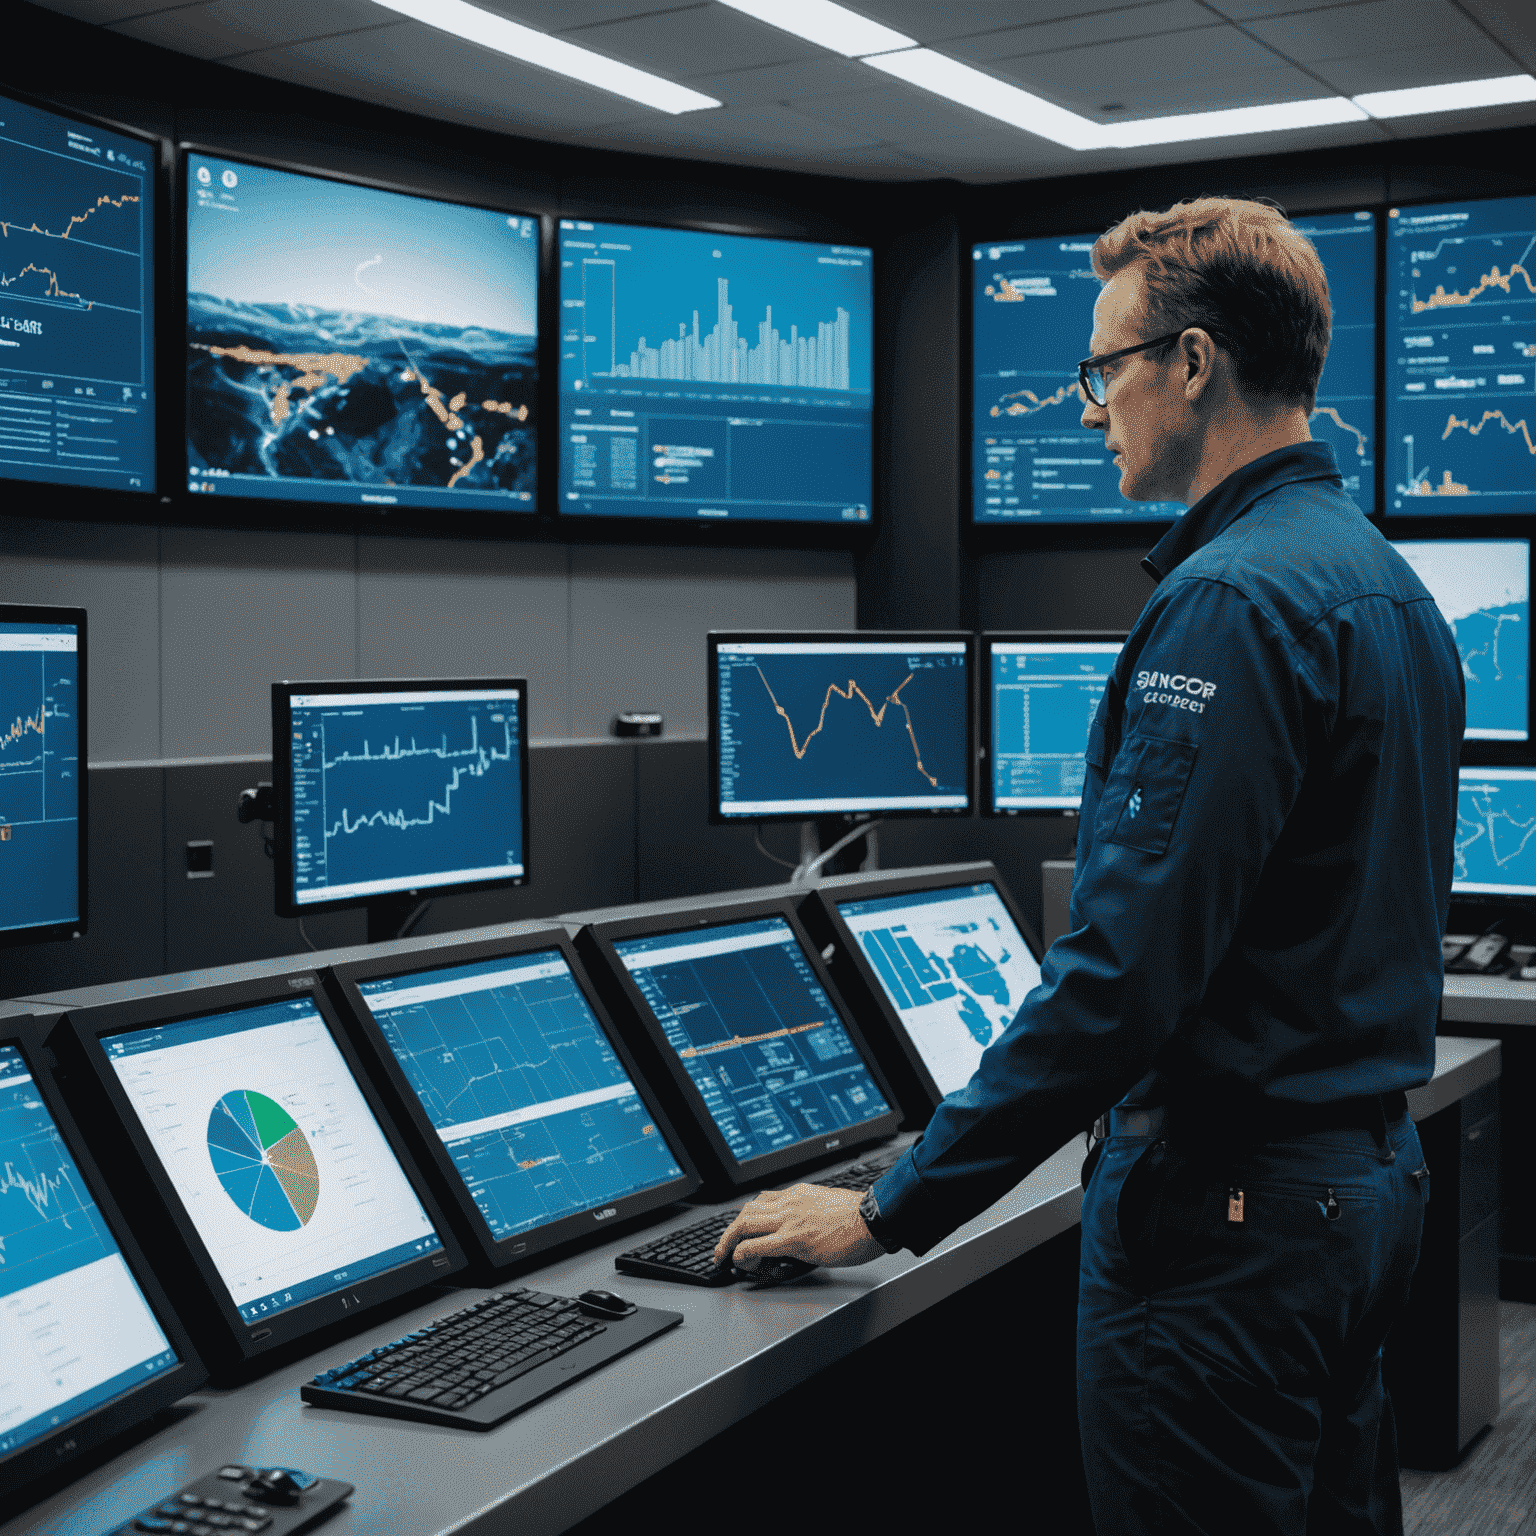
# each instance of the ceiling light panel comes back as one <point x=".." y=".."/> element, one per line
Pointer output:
<point x="1235" y="121"/>
<point x="825" y="24"/>
<point x="1460" y="97"/>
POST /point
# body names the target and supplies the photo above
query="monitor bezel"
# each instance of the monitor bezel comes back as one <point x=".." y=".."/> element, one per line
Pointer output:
<point x="225" y="1339"/>
<point x="344" y="983"/>
<point x="68" y="1442"/>
<point x="282" y="788"/>
<point x="711" y="1150"/>
<point x="904" y="1062"/>
<point x="1523" y="902"/>
<point x="984" y="752"/>
<point x="717" y="637"/>
<point x="35" y="613"/>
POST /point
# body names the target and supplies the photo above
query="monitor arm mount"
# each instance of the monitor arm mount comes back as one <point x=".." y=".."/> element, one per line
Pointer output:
<point x="812" y="859"/>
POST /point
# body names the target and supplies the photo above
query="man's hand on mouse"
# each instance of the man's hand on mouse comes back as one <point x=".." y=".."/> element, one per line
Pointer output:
<point x="821" y="1226"/>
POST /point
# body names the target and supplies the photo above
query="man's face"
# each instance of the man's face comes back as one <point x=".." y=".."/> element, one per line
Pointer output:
<point x="1145" y="419"/>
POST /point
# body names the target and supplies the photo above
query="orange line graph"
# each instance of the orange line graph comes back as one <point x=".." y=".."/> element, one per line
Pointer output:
<point x="1499" y="416"/>
<point x="23" y="723"/>
<point x="53" y="290"/>
<point x="1447" y="487"/>
<point x="877" y="715"/>
<point x="35" y="228"/>
<point x="736" y="1040"/>
<point x="1343" y="426"/>
<point x="1018" y="408"/>
<point x="1440" y="299"/>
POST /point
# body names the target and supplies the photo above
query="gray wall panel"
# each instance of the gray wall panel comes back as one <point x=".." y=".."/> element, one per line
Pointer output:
<point x="114" y="574"/>
<point x="1064" y="589"/>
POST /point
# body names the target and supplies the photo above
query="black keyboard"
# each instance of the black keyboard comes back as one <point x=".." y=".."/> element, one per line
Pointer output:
<point x="477" y="1367"/>
<point x="860" y="1176"/>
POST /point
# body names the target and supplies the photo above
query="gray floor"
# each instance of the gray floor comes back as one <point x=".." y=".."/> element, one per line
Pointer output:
<point x="1494" y="1489"/>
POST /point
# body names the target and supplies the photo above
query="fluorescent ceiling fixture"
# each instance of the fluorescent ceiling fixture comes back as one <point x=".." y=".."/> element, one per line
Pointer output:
<point x="1449" y="98"/>
<point x="1233" y="121"/>
<point x="562" y="58"/>
<point x="827" y="25"/>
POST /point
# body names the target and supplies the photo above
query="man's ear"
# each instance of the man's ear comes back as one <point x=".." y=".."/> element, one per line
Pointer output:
<point x="1198" y="353"/>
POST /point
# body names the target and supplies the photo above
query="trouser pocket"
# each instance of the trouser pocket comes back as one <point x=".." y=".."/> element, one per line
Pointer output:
<point x="1161" y="1204"/>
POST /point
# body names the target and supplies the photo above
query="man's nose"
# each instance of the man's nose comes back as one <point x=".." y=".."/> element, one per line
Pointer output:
<point x="1095" y="418"/>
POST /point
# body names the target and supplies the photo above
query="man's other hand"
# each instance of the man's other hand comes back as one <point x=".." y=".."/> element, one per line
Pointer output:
<point x="821" y="1226"/>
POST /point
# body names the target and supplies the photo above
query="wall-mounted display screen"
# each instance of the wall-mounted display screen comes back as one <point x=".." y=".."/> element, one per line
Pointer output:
<point x="76" y="302"/>
<point x="1483" y="587"/>
<point x="714" y="376"/>
<point x="1496" y="833"/>
<point x="355" y="346"/>
<point x="1461" y="358"/>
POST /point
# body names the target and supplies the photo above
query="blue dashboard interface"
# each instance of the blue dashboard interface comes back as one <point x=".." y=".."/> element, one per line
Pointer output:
<point x="1461" y="358"/>
<point x="954" y="966"/>
<point x="520" y="1082"/>
<point x="1044" y="696"/>
<point x="816" y="727"/>
<point x="1483" y="587"/>
<point x="40" y="770"/>
<point x="1496" y="832"/>
<point x="267" y="1139"/>
<point x="714" y="376"/>
<point x="355" y="346"/>
<point x="405" y="790"/>
<point x="75" y="1329"/>
<point x="756" y="1033"/>
<point x="77" y="210"/>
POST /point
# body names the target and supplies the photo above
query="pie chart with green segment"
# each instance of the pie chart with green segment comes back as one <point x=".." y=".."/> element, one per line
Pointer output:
<point x="263" y="1160"/>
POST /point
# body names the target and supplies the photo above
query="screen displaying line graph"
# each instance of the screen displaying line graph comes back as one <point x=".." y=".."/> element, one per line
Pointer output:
<point x="410" y="789"/>
<point x="822" y="726"/>
<point x="1496" y="832"/>
<point x="705" y="375"/>
<point x="1461" y="358"/>
<point x="40" y="770"/>
<point x="76" y="302"/>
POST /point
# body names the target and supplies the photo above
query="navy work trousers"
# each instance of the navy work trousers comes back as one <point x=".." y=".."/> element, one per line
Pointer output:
<point x="1229" y="1372"/>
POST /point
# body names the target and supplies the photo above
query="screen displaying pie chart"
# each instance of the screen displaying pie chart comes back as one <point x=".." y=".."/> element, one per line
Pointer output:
<point x="263" y="1160"/>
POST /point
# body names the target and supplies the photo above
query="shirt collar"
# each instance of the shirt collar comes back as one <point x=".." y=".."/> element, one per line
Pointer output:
<point x="1220" y="507"/>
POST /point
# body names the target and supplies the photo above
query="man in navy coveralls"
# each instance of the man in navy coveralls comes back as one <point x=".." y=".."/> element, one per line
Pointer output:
<point x="1254" y="967"/>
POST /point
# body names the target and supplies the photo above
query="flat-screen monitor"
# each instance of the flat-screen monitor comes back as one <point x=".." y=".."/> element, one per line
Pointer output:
<point x="736" y="1008"/>
<point x="385" y="788"/>
<point x="286" y="1201"/>
<point x="1495" y="833"/>
<point x="42" y="773"/>
<point x="90" y="1343"/>
<point x="356" y="346"/>
<point x="1345" y="412"/>
<point x="1041" y="694"/>
<point x="77" y="289"/>
<point x="943" y="961"/>
<point x="1483" y="587"/>
<point x="714" y="377"/>
<point x="825" y="724"/>
<point x="516" y="1092"/>
<point x="1461" y="358"/>
<point x="1032" y="460"/>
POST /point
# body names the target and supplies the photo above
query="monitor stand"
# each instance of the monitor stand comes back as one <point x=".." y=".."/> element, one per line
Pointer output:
<point x="387" y="915"/>
<point x="842" y="856"/>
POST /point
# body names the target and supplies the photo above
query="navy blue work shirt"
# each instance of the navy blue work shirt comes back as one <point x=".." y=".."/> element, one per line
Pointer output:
<point x="1264" y="853"/>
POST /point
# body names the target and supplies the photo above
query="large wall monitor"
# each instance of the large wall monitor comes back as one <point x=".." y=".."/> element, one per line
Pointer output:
<point x="1495" y="834"/>
<point x="1461" y="358"/>
<point x="356" y="346"/>
<point x="42" y="773"/>
<point x="77" y="290"/>
<point x="521" y="1096"/>
<point x="384" y="788"/>
<point x="90" y="1344"/>
<point x="714" y="376"/>
<point x="1040" y="697"/>
<point x="739" y="1015"/>
<point x="1483" y="587"/>
<point x="287" y="1203"/>
<point x="807" y="725"/>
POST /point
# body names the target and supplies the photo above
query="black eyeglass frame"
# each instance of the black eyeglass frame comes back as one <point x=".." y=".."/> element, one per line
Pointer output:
<point x="1095" y="364"/>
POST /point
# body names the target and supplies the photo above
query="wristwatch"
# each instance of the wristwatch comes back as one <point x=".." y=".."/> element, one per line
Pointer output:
<point x="879" y="1227"/>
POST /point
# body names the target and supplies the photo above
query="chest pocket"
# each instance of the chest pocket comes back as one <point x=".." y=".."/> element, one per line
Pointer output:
<point x="1145" y="789"/>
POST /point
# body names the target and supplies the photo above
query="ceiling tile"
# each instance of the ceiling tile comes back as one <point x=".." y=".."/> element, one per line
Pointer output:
<point x="700" y="40"/>
<point x="767" y="125"/>
<point x="1432" y="64"/>
<point x="1512" y="22"/>
<point x="802" y="80"/>
<point x="1351" y="31"/>
<point x="222" y="28"/>
<point x="570" y="15"/>
<point x="101" y="12"/>
<point x="1201" y="93"/>
<point x="1081" y="31"/>
<point x="897" y="112"/>
<point x="931" y="22"/>
<point x="1250" y="10"/>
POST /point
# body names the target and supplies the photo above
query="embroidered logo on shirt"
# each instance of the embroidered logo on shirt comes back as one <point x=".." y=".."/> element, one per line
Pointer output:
<point x="1182" y="690"/>
<point x="1134" y="803"/>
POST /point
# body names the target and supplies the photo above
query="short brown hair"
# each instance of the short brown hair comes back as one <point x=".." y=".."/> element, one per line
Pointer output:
<point x="1243" y="273"/>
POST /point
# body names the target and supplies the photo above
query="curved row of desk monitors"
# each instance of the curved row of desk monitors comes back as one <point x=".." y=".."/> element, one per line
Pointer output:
<point x="293" y="1151"/>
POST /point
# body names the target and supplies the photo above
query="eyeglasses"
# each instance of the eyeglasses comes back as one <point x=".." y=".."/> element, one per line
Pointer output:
<point x="1090" y="372"/>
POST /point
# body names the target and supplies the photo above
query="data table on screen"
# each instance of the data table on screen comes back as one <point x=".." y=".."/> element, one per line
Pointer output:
<point x="520" y="1082"/>
<point x="1461" y="358"/>
<point x="1496" y="832"/>
<point x="714" y="376"/>
<point x="76" y="302"/>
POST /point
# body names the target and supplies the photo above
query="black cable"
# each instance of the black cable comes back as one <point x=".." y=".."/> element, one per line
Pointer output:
<point x="416" y="916"/>
<point x="757" y="838"/>
<point x="315" y="947"/>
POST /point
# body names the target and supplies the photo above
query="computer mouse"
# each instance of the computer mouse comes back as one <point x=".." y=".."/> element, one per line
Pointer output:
<point x="773" y="1271"/>
<point x="605" y="1304"/>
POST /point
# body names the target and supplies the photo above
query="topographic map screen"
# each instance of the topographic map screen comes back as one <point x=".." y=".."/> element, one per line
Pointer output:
<point x="1461" y="358"/>
<point x="953" y="965"/>
<point x="1483" y="587"/>
<point x="816" y="727"/>
<point x="358" y="347"/>
<point x="1496" y="832"/>
<point x="76" y="302"/>
<point x="519" y="1080"/>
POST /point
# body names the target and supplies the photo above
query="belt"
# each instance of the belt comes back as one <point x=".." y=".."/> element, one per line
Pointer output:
<point x="1268" y="1120"/>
